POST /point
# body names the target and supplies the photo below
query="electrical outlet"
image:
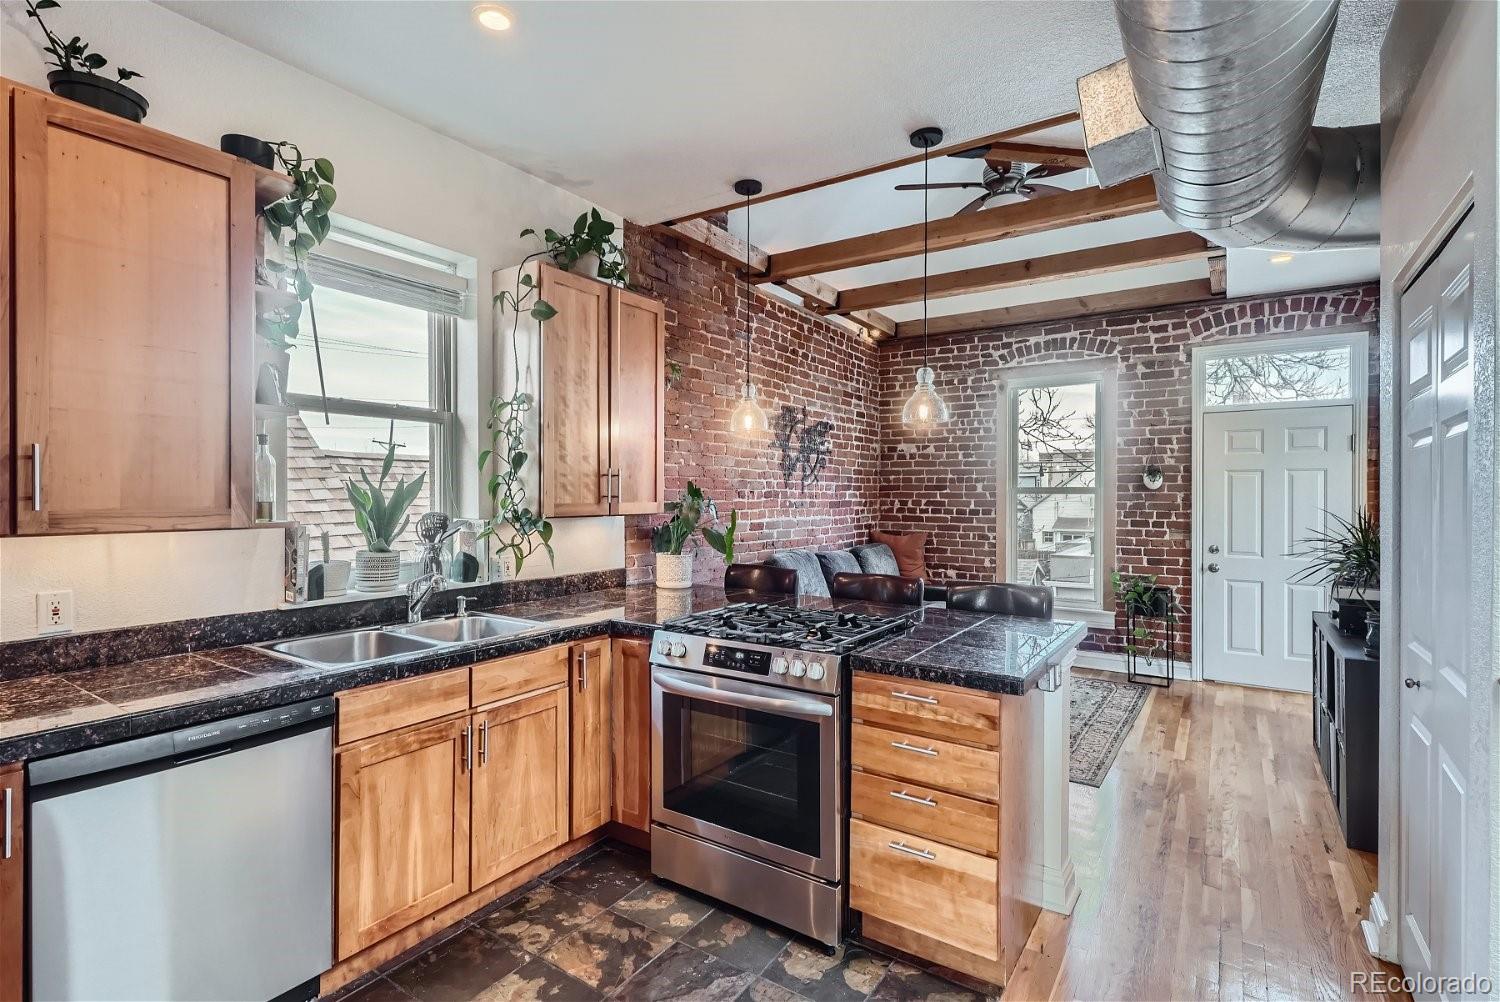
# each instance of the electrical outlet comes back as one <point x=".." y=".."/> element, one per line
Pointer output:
<point x="54" y="612"/>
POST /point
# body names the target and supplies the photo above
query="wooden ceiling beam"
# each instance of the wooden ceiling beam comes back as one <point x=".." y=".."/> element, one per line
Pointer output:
<point x="817" y="295"/>
<point x="1150" y="297"/>
<point x="1087" y="205"/>
<point x="1052" y="122"/>
<point x="1088" y="261"/>
<point x="1033" y="153"/>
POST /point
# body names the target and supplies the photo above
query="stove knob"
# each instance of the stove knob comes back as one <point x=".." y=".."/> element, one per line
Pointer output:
<point x="779" y="666"/>
<point x="679" y="649"/>
<point x="664" y="647"/>
<point x="799" y="668"/>
<point x="815" y="671"/>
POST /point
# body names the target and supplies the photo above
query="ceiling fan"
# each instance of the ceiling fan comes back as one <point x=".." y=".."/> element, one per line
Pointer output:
<point x="1001" y="177"/>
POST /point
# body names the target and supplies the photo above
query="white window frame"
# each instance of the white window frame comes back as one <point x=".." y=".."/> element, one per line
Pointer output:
<point x="1104" y="373"/>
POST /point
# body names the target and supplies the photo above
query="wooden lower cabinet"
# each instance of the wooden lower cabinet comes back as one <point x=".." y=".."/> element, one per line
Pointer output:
<point x="632" y="733"/>
<point x="12" y="879"/>
<point x="592" y="744"/>
<point x="520" y="784"/>
<point x="403" y="830"/>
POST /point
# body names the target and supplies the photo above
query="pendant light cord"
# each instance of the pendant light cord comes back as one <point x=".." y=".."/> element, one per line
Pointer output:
<point x="925" y="151"/>
<point x="747" y="294"/>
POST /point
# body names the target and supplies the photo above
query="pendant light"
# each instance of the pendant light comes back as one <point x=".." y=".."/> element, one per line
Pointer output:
<point x="748" y="419"/>
<point x="924" y="408"/>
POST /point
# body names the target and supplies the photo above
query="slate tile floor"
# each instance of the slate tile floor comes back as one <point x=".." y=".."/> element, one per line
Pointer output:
<point x="599" y="927"/>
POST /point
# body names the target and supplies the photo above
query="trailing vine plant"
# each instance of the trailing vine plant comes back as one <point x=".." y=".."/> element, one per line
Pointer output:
<point x="591" y="234"/>
<point x="299" y="222"/>
<point x="1140" y="595"/>
<point x="516" y="528"/>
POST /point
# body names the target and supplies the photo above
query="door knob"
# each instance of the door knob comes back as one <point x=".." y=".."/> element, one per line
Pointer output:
<point x="1212" y="568"/>
<point x="1213" y="547"/>
<point x="1412" y="683"/>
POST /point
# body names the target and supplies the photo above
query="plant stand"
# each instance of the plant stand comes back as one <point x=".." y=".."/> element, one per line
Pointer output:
<point x="1157" y="610"/>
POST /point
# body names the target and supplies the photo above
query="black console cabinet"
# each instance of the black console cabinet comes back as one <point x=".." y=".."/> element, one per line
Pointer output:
<point x="1346" y="728"/>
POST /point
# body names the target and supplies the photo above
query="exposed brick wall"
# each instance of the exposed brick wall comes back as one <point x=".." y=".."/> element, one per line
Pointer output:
<point x="946" y="482"/>
<point x="798" y="359"/>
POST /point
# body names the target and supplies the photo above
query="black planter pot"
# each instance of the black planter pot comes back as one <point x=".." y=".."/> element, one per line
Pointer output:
<point x="1153" y="604"/>
<point x="257" y="151"/>
<point x="98" y="92"/>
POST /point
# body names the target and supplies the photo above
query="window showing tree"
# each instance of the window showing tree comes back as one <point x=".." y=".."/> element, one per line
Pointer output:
<point x="1055" y="490"/>
<point x="1280" y="376"/>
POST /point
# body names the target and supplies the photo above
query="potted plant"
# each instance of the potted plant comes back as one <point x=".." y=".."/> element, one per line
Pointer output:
<point x="674" y="568"/>
<point x="1346" y="557"/>
<point x="1143" y="600"/>
<point x="77" y="75"/>
<point x="381" y="518"/>
<point x="590" y="248"/>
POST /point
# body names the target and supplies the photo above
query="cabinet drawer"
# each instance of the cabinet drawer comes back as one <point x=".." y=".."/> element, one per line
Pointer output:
<point x="933" y="889"/>
<point x="507" y="677"/>
<point x="929" y="761"/>
<point x="922" y="810"/>
<point x="942" y="711"/>
<point x="376" y="709"/>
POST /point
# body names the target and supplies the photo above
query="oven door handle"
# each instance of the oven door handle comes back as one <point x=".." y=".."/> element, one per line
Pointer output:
<point x="789" y="707"/>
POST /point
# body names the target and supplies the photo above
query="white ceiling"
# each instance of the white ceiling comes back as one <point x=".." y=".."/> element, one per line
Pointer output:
<point x="653" y="109"/>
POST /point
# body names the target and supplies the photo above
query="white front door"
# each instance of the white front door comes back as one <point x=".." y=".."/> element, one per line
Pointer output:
<point x="1445" y="872"/>
<point x="1269" y="477"/>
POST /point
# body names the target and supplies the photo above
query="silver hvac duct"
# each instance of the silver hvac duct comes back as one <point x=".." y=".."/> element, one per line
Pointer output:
<point x="1230" y="87"/>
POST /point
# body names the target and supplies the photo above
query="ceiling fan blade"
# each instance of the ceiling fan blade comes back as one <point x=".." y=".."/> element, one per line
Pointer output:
<point x="976" y="153"/>
<point x="934" y="186"/>
<point x="1040" y="190"/>
<point x="1049" y="170"/>
<point x="975" y="205"/>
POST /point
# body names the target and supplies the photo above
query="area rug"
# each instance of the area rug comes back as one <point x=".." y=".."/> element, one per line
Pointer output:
<point x="1100" y="718"/>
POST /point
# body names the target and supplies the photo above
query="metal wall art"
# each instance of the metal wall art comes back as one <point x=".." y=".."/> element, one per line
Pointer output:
<point x="804" y="445"/>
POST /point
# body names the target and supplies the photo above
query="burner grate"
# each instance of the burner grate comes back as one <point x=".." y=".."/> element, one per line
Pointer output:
<point x="817" y="630"/>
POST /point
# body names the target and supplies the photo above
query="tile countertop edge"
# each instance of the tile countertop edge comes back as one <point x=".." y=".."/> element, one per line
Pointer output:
<point x="979" y="679"/>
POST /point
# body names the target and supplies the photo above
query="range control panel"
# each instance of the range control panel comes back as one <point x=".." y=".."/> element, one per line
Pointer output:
<point x="781" y="666"/>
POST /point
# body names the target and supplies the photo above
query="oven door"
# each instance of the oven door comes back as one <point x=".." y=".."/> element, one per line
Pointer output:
<point x="751" y="767"/>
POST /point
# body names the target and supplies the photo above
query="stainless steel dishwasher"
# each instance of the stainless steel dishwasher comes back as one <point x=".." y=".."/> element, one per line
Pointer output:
<point x="195" y="864"/>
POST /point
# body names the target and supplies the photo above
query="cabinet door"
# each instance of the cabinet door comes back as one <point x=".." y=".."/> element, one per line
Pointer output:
<point x="403" y="830"/>
<point x="12" y="879"/>
<point x="134" y="304"/>
<point x="591" y="735"/>
<point x="575" y="396"/>
<point x="637" y="334"/>
<point x="520" y="791"/>
<point x="632" y="733"/>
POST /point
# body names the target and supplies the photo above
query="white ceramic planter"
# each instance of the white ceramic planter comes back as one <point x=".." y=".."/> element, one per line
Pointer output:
<point x="674" y="571"/>
<point x="376" y="571"/>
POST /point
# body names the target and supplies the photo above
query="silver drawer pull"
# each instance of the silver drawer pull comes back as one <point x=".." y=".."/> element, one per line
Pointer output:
<point x="903" y="795"/>
<point x="913" y="748"/>
<point x="9" y="826"/>
<point x="912" y="697"/>
<point x="36" y="476"/>
<point x="919" y="853"/>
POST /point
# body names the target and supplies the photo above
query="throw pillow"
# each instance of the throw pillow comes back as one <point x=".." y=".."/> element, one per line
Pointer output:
<point x="910" y="549"/>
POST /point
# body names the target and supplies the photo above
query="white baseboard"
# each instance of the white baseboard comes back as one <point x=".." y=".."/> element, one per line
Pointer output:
<point x="1103" y="661"/>
<point x="1380" y="935"/>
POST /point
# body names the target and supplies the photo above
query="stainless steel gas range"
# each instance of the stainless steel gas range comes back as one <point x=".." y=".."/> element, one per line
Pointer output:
<point x="749" y="757"/>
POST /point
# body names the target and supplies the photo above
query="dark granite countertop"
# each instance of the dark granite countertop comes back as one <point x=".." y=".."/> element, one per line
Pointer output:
<point x="1002" y="654"/>
<point x="54" y="712"/>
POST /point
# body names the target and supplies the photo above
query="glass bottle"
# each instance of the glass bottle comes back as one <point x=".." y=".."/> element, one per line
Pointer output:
<point x="265" y="480"/>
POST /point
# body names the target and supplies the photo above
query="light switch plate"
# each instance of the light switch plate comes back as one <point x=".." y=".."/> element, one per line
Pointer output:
<point x="54" y="612"/>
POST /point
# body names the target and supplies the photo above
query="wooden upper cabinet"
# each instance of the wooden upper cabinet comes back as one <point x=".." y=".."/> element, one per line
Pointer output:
<point x="575" y="395"/>
<point x="592" y="776"/>
<point x="637" y="344"/>
<point x="133" y="278"/>
<point x="603" y="372"/>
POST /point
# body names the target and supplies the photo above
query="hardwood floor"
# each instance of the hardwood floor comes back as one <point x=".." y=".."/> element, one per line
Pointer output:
<point x="1211" y="864"/>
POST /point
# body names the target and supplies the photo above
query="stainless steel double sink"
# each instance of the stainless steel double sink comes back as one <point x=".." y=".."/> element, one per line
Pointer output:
<point x="369" y="645"/>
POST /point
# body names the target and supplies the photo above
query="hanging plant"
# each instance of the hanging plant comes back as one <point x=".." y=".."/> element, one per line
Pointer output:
<point x="298" y="221"/>
<point x="591" y="234"/>
<point x="516" y="528"/>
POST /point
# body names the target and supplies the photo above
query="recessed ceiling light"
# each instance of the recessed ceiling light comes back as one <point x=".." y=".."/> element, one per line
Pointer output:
<point x="1281" y="258"/>
<point x="492" y="16"/>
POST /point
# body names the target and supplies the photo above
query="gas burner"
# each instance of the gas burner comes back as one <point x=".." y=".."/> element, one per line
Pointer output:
<point x="817" y="630"/>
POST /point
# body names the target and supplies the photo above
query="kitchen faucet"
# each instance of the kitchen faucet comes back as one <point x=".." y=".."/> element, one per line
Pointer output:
<point x="433" y="529"/>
